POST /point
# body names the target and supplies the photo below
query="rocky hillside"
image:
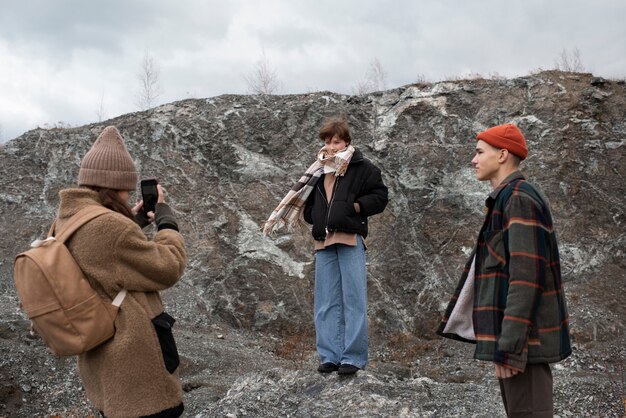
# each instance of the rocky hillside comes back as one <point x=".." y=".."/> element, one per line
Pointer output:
<point x="244" y="305"/>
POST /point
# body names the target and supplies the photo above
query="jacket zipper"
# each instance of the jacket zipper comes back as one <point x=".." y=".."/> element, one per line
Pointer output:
<point x="330" y="204"/>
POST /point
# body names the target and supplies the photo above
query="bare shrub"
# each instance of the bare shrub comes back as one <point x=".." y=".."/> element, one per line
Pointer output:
<point x="263" y="79"/>
<point x="569" y="61"/>
<point x="421" y="79"/>
<point x="496" y="76"/>
<point x="405" y="347"/>
<point x="470" y="75"/>
<point x="296" y="346"/>
<point x="56" y="126"/>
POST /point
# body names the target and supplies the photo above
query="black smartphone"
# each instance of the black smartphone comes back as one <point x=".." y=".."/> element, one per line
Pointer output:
<point x="149" y="194"/>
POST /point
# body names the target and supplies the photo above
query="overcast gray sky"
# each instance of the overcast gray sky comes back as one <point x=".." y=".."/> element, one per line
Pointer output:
<point x="59" y="60"/>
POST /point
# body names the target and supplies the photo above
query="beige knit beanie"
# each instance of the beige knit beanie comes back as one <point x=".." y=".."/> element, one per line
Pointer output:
<point x="108" y="164"/>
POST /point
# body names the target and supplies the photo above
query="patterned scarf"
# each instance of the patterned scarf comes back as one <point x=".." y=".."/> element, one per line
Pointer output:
<point x="289" y="210"/>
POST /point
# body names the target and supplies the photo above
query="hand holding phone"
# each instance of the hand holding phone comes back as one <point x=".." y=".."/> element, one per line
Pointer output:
<point x="149" y="194"/>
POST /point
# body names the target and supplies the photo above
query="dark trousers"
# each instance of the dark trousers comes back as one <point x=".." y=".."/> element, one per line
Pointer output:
<point x="167" y="413"/>
<point x="528" y="394"/>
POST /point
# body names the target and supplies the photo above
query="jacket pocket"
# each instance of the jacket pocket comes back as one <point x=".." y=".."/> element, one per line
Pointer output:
<point x="496" y="255"/>
<point x="337" y="214"/>
<point x="163" y="326"/>
<point x="343" y="217"/>
<point x="350" y="211"/>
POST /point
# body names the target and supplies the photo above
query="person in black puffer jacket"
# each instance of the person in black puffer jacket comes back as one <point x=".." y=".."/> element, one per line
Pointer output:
<point x="361" y="187"/>
<point x="349" y="191"/>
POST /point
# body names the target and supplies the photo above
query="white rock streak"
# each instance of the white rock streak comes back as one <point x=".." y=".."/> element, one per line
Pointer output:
<point x="252" y="244"/>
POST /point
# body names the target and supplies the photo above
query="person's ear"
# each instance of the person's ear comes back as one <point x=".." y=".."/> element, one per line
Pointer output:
<point x="503" y="156"/>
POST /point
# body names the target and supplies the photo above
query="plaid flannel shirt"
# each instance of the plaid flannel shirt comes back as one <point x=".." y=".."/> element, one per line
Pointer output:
<point x="520" y="314"/>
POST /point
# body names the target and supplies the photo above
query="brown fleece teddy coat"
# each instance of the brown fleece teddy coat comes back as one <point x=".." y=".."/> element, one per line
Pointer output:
<point x="126" y="376"/>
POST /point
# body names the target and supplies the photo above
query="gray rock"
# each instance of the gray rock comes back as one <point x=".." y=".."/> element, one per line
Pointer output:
<point x="227" y="161"/>
<point x="598" y="81"/>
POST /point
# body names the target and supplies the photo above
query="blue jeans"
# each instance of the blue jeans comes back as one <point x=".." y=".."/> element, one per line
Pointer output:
<point x="340" y="305"/>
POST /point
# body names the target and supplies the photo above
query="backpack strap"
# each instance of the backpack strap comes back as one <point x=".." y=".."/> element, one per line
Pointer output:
<point x="76" y="221"/>
<point x="119" y="298"/>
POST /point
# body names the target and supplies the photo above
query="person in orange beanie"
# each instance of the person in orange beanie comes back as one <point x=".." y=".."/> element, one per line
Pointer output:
<point x="510" y="300"/>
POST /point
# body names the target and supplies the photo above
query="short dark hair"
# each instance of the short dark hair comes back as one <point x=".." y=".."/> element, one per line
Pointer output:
<point x="335" y="126"/>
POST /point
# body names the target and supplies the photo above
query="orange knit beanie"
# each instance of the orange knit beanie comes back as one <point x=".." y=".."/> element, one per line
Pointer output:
<point x="108" y="164"/>
<point x="507" y="137"/>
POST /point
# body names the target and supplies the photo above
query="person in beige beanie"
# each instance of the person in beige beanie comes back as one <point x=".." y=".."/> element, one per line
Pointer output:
<point x="108" y="163"/>
<point x="135" y="373"/>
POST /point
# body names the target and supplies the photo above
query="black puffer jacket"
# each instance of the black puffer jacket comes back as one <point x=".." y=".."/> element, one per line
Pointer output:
<point x="362" y="184"/>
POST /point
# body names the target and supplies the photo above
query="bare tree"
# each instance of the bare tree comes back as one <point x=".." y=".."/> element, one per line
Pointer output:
<point x="569" y="61"/>
<point x="378" y="75"/>
<point x="100" y="112"/>
<point x="263" y="79"/>
<point x="149" y="83"/>
<point x="375" y="79"/>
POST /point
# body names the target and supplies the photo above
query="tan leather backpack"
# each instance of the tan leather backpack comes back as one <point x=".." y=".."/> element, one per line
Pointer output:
<point x="53" y="291"/>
